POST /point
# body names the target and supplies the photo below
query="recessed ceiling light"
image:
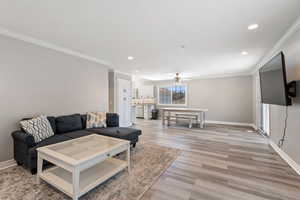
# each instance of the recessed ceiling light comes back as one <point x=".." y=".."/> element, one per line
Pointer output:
<point x="244" y="53"/>
<point x="136" y="71"/>
<point x="253" y="26"/>
<point x="130" y="58"/>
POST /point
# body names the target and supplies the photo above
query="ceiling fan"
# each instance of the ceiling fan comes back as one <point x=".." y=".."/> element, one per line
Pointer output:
<point x="178" y="79"/>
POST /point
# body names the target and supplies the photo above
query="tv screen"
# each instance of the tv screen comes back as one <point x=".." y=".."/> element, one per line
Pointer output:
<point x="273" y="82"/>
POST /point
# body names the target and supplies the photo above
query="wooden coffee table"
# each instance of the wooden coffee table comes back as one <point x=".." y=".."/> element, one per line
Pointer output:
<point x="83" y="163"/>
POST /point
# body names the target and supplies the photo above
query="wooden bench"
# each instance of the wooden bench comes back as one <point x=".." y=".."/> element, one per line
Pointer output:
<point x="191" y="114"/>
<point x="187" y="116"/>
<point x="192" y="118"/>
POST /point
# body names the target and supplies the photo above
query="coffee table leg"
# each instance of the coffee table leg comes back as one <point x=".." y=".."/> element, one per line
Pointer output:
<point x="39" y="168"/>
<point x="76" y="173"/>
<point x="128" y="159"/>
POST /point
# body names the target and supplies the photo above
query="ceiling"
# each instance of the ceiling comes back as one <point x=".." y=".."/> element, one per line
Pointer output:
<point x="213" y="32"/>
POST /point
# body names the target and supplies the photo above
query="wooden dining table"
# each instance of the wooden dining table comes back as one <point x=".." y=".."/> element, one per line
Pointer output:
<point x="199" y="112"/>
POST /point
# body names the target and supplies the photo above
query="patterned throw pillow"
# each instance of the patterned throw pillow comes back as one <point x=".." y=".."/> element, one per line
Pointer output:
<point x="96" y="120"/>
<point x="38" y="127"/>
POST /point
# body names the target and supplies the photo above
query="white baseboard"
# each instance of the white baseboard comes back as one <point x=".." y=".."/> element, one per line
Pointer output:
<point x="229" y="123"/>
<point x="254" y="127"/>
<point x="7" y="164"/>
<point x="285" y="157"/>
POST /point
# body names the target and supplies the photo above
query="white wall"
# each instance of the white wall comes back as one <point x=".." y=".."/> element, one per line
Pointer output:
<point x="290" y="45"/>
<point x="228" y="99"/>
<point x="35" y="80"/>
<point x="256" y="100"/>
<point x="142" y="88"/>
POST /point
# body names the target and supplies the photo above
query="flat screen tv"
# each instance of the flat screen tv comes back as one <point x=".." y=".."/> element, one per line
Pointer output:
<point x="273" y="82"/>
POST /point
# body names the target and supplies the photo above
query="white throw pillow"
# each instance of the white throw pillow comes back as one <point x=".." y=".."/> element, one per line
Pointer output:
<point x="96" y="120"/>
<point x="38" y="127"/>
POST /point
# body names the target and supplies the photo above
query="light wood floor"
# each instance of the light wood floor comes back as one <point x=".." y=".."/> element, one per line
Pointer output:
<point x="219" y="162"/>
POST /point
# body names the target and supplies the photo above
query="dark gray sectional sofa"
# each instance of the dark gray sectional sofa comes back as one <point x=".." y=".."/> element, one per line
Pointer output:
<point x="67" y="128"/>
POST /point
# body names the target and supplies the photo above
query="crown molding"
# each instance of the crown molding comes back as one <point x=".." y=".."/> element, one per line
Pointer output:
<point x="123" y="73"/>
<point x="232" y="75"/>
<point x="293" y="29"/>
<point x="49" y="45"/>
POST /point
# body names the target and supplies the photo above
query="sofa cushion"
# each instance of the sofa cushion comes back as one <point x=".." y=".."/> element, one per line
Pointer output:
<point x="38" y="127"/>
<point x="52" y="123"/>
<point x="77" y="134"/>
<point x="51" y="140"/>
<point x="83" y="120"/>
<point x="112" y="120"/>
<point x="118" y="132"/>
<point x="96" y="119"/>
<point x="68" y="123"/>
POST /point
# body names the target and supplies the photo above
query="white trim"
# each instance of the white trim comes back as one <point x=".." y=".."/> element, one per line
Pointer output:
<point x="173" y="105"/>
<point x="230" y="123"/>
<point x="49" y="45"/>
<point x="278" y="45"/>
<point x="232" y="75"/>
<point x="254" y="127"/>
<point x="7" y="164"/>
<point x="120" y="72"/>
<point x="203" y="77"/>
<point x="285" y="157"/>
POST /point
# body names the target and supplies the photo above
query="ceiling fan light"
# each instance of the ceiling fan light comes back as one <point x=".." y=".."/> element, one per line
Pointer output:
<point x="177" y="79"/>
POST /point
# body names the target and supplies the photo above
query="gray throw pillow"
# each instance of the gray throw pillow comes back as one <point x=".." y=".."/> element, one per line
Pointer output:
<point x="38" y="127"/>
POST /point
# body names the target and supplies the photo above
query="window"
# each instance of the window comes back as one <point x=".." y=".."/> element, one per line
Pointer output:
<point x="172" y="95"/>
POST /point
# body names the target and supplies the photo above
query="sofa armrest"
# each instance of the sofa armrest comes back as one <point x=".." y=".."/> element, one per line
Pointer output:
<point x="22" y="143"/>
<point x="24" y="138"/>
<point x="112" y="120"/>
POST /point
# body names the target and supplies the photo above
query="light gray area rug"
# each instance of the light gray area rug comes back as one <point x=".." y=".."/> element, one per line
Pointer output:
<point x="149" y="161"/>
